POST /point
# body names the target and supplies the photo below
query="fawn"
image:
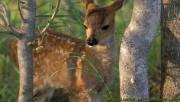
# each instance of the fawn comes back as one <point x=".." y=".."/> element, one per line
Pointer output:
<point x="56" y="65"/>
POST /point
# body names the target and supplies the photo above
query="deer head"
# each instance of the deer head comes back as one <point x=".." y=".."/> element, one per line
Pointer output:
<point x="99" y="21"/>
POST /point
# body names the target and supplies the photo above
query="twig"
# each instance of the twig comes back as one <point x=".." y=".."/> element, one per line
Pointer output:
<point x="19" y="8"/>
<point x="50" y="20"/>
<point x="7" y="19"/>
<point x="3" y="26"/>
<point x="10" y="33"/>
<point x="7" y="32"/>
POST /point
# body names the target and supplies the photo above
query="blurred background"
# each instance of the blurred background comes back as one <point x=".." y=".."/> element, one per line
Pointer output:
<point x="70" y="21"/>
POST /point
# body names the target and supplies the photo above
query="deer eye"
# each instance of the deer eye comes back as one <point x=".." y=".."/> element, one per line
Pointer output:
<point x="85" y="26"/>
<point x="105" y="27"/>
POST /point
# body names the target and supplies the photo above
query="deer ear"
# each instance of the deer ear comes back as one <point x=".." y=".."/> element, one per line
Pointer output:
<point x="89" y="4"/>
<point x="116" y="5"/>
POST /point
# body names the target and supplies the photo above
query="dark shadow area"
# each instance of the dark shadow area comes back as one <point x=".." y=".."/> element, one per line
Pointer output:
<point x="170" y="67"/>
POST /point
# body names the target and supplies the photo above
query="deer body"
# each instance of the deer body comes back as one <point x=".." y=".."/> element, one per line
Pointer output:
<point x="73" y="73"/>
<point x="81" y="67"/>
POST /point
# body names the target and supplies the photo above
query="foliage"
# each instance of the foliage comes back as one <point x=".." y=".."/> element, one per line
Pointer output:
<point x="69" y="21"/>
<point x="8" y="73"/>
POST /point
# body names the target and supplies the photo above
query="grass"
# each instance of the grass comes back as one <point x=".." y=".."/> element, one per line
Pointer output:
<point x="70" y="21"/>
<point x="8" y="74"/>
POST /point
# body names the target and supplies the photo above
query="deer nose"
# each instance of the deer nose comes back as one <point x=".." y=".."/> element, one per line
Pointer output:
<point x="92" y="41"/>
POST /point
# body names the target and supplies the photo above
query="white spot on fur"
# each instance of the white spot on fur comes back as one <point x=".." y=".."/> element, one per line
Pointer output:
<point x="72" y="49"/>
<point x="91" y="46"/>
<point x="54" y="40"/>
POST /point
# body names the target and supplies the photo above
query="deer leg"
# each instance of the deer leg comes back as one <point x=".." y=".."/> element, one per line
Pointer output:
<point x="43" y="95"/>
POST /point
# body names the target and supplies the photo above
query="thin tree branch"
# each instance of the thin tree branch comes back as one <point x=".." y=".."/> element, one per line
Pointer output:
<point x="7" y="19"/>
<point x="19" y="8"/>
<point x="50" y="20"/>
<point x="10" y="33"/>
<point x="7" y="32"/>
<point x="3" y="26"/>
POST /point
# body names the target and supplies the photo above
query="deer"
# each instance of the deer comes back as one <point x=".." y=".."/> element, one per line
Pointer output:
<point x="81" y="67"/>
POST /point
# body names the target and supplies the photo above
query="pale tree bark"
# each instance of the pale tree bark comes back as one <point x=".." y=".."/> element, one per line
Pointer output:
<point x="170" y="49"/>
<point x="24" y="50"/>
<point x="135" y="46"/>
<point x="25" y="37"/>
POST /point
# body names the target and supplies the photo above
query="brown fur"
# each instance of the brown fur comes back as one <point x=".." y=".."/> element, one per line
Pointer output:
<point x="56" y="64"/>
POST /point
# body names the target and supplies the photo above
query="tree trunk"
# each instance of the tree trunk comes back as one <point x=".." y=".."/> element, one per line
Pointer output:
<point x="170" y="49"/>
<point x="135" y="46"/>
<point x="25" y="50"/>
